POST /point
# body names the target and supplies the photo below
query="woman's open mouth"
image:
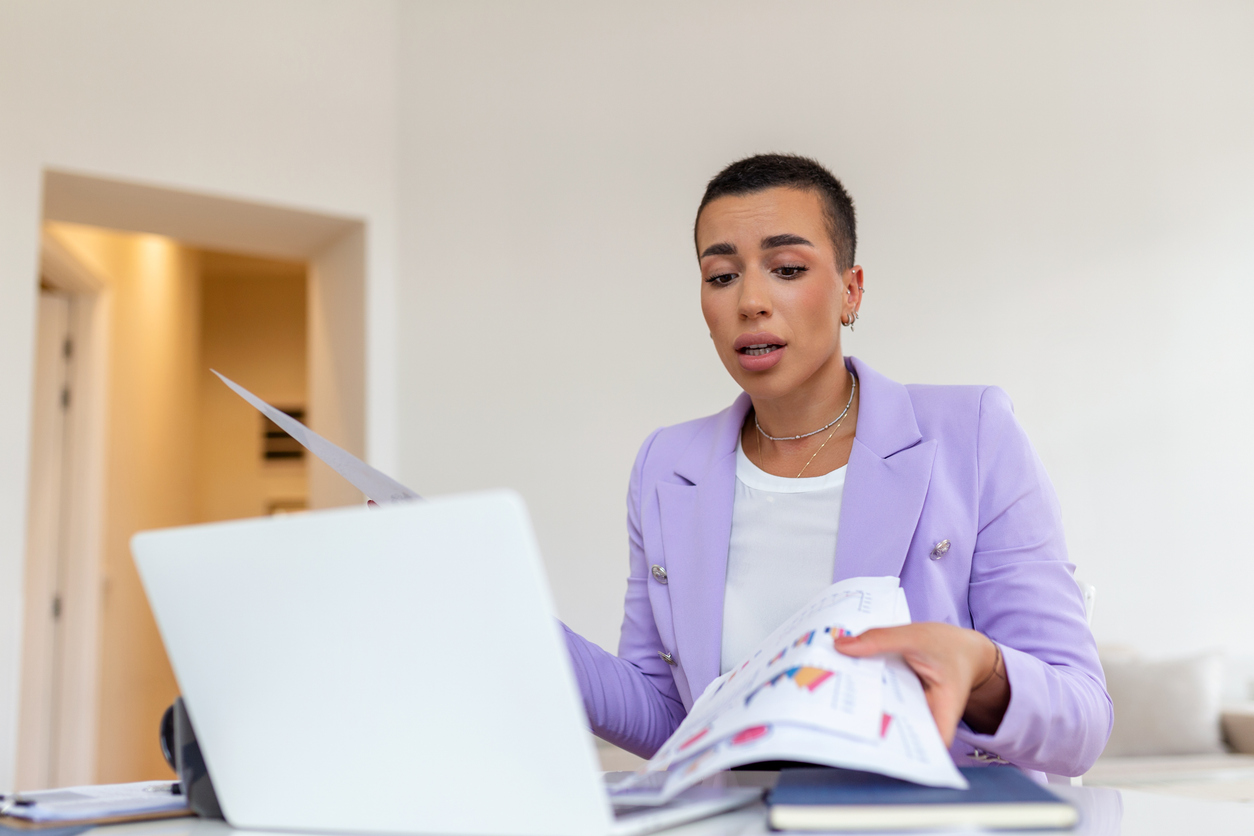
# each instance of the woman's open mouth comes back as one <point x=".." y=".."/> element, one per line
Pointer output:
<point x="759" y="351"/>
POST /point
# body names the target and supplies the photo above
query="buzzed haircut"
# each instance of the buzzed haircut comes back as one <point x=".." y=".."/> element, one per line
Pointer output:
<point x="769" y="171"/>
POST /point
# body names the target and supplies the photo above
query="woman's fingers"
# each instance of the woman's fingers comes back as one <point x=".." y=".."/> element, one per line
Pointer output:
<point x="938" y="653"/>
<point x="947" y="703"/>
<point x="879" y="640"/>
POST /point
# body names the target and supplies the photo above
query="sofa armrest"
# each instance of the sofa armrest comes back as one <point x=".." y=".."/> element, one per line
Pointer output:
<point x="1238" y="727"/>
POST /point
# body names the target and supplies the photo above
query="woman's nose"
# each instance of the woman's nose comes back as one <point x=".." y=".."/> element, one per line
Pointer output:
<point x="755" y="297"/>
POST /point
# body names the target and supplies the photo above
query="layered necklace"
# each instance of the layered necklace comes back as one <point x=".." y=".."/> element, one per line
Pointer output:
<point x="834" y="426"/>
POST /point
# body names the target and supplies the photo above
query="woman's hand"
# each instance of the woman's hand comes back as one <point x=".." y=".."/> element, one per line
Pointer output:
<point x="962" y="671"/>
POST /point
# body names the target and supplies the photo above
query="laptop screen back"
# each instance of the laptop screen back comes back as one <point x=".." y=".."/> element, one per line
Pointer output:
<point x="396" y="670"/>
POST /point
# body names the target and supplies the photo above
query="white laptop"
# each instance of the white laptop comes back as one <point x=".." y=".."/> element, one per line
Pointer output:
<point x="394" y="670"/>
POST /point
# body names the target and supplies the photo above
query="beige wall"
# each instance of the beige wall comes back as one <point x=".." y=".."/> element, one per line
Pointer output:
<point x="253" y="332"/>
<point x="151" y="472"/>
<point x="338" y="335"/>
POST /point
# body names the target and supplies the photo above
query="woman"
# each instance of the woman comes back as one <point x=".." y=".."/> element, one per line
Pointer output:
<point x="824" y="469"/>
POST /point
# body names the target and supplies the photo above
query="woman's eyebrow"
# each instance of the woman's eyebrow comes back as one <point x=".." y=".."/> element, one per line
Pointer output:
<point x="719" y="249"/>
<point x="785" y="240"/>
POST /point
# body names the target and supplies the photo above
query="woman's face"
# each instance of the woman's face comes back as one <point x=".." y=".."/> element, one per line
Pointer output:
<point x="771" y="292"/>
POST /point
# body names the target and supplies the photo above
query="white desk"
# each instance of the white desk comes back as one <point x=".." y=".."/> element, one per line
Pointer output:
<point x="1105" y="812"/>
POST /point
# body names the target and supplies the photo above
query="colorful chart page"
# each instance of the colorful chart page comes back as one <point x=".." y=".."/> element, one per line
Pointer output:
<point x="796" y="698"/>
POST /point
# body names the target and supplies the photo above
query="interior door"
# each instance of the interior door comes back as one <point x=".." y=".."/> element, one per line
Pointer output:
<point x="37" y="740"/>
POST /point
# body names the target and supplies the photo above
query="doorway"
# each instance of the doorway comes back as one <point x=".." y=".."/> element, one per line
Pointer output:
<point x="155" y="440"/>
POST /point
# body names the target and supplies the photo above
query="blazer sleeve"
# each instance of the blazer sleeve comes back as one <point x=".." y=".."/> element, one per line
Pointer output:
<point x="1023" y="596"/>
<point x="631" y="698"/>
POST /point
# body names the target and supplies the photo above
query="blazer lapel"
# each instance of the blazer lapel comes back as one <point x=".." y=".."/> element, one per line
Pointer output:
<point x="889" y="472"/>
<point x="695" y="517"/>
<point x="890" y="468"/>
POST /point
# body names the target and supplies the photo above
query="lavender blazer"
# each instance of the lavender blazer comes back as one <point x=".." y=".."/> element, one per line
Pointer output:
<point x="929" y="463"/>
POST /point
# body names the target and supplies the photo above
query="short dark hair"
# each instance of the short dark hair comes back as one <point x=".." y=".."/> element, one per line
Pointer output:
<point x="769" y="171"/>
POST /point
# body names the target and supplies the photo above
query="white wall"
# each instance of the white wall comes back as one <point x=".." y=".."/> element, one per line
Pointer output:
<point x="1053" y="197"/>
<point x="282" y="102"/>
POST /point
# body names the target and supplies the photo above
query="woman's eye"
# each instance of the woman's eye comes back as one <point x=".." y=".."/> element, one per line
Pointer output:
<point x="721" y="279"/>
<point x="790" y="271"/>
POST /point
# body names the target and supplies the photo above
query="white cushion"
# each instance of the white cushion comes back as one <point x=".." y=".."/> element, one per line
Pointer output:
<point x="1165" y="707"/>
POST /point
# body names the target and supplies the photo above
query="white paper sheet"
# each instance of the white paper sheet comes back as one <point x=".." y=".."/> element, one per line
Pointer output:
<point x="74" y="804"/>
<point x="796" y="698"/>
<point x="378" y="486"/>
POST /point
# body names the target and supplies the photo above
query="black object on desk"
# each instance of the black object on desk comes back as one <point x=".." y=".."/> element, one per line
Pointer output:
<point x="182" y="753"/>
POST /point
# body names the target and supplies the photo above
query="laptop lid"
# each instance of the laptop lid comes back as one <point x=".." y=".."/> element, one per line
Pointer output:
<point x="395" y="670"/>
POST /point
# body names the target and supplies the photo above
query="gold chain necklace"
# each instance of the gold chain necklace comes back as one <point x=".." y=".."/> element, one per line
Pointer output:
<point x="758" y="435"/>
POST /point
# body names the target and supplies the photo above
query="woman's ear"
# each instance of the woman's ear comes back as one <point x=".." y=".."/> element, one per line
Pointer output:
<point x="852" y="280"/>
<point x="854" y="289"/>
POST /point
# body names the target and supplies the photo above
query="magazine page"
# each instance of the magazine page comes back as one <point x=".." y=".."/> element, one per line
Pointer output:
<point x="377" y="486"/>
<point x="796" y="698"/>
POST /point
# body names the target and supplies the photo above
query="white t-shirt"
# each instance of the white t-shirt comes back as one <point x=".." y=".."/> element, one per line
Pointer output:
<point x="782" y="551"/>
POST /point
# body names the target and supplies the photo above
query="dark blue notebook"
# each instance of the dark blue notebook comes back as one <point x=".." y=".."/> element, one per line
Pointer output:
<point x="842" y="799"/>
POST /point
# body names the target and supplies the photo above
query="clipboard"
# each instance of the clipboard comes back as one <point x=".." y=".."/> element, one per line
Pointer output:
<point x="65" y="828"/>
<point x="71" y="809"/>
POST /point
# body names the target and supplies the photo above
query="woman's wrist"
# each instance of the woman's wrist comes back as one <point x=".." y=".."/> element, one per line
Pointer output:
<point x="990" y="694"/>
<point x="994" y="669"/>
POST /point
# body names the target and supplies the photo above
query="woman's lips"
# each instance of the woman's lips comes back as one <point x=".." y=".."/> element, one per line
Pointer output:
<point x="760" y="357"/>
